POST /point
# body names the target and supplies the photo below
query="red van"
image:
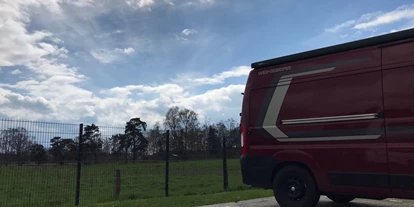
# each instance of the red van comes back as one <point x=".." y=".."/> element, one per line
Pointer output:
<point x="336" y="121"/>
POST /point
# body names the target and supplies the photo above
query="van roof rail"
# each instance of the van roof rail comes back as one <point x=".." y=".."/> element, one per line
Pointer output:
<point x="377" y="40"/>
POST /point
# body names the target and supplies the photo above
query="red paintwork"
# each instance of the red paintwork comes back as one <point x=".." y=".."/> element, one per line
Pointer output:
<point x="398" y="73"/>
<point x="383" y="84"/>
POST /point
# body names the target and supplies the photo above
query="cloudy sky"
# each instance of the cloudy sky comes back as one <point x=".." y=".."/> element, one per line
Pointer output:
<point x="105" y="61"/>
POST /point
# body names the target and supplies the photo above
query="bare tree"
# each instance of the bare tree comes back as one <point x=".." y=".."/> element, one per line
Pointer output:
<point x="106" y="146"/>
<point x="16" y="141"/>
<point x="184" y="127"/>
<point x="172" y="122"/>
<point x="5" y="147"/>
<point x="233" y="135"/>
<point x="156" y="140"/>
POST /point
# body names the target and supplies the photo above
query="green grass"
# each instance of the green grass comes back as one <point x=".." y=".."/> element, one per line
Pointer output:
<point x="190" y="201"/>
<point x="52" y="185"/>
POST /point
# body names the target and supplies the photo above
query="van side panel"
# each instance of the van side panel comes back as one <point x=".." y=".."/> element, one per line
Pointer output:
<point x="349" y="155"/>
<point x="398" y="72"/>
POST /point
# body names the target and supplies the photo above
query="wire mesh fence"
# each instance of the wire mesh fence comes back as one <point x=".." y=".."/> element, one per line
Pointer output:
<point x="37" y="163"/>
<point x="137" y="177"/>
<point x="59" y="164"/>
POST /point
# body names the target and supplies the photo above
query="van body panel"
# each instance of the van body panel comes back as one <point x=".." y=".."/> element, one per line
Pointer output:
<point x="348" y="116"/>
<point x="398" y="78"/>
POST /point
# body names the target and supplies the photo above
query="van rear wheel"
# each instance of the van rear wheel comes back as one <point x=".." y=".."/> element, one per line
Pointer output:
<point x="294" y="186"/>
<point x="340" y="198"/>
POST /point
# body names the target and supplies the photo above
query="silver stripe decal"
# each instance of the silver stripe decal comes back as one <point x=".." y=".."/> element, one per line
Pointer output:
<point x="337" y="138"/>
<point x="308" y="73"/>
<point x="330" y="119"/>
<point x="269" y="123"/>
<point x="272" y="113"/>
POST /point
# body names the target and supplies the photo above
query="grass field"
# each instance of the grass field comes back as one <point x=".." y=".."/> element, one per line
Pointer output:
<point x="51" y="185"/>
<point x="190" y="201"/>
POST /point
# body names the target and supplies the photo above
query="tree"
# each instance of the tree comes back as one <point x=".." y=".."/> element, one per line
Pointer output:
<point x="184" y="128"/>
<point x="106" y="146"/>
<point x="213" y="141"/>
<point x="221" y="131"/>
<point x="5" y="147"/>
<point x="233" y="135"/>
<point x="92" y="142"/>
<point x="203" y="134"/>
<point x="172" y="122"/>
<point x="189" y="122"/>
<point x="38" y="153"/>
<point x="135" y="139"/>
<point x="16" y="141"/>
<point x="62" y="149"/>
<point x="120" y="145"/>
<point x="156" y="140"/>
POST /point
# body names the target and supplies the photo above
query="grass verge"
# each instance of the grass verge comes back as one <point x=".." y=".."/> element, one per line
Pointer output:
<point x="190" y="201"/>
<point x="55" y="186"/>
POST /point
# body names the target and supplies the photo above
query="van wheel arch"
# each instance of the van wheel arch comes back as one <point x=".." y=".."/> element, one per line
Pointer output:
<point x="285" y="164"/>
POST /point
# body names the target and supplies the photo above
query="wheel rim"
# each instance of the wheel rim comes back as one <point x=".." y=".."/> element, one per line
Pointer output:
<point x="295" y="188"/>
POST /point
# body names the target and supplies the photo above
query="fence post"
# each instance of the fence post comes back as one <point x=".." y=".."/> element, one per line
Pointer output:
<point x="167" y="162"/>
<point x="225" y="173"/>
<point x="117" y="183"/>
<point x="79" y="162"/>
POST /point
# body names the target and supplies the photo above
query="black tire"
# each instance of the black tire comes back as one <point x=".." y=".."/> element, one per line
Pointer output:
<point x="340" y="198"/>
<point x="294" y="186"/>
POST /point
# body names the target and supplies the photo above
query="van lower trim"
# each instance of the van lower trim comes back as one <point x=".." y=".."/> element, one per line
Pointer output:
<point x="335" y="138"/>
<point x="373" y="180"/>
<point x="331" y="119"/>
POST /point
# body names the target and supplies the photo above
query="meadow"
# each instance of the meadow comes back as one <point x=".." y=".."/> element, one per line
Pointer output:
<point x="55" y="185"/>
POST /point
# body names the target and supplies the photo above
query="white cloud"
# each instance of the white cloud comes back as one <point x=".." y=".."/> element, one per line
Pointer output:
<point x="340" y="26"/>
<point x="16" y="101"/>
<point x="128" y="50"/>
<point x="372" y="20"/>
<point x="81" y="3"/>
<point x="409" y="25"/>
<point x="17" y="45"/>
<point x="207" y="1"/>
<point x="108" y="56"/>
<point x="140" y="3"/>
<point x="184" y="36"/>
<point x="55" y="90"/>
<point x="350" y="23"/>
<point x="16" y="72"/>
<point x="170" y="2"/>
<point x="57" y="97"/>
<point x="187" y="32"/>
<point x="104" y="56"/>
<point x="52" y="86"/>
<point x="200" y="2"/>
<point x="191" y="81"/>
<point x="224" y="100"/>
<point x="401" y="13"/>
<point x="108" y="34"/>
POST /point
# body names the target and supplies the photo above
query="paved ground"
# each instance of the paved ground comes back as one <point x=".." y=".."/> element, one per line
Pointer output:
<point x="324" y="202"/>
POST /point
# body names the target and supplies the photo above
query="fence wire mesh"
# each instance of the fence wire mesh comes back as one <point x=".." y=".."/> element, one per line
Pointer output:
<point x="138" y="176"/>
<point x="37" y="163"/>
<point x="40" y="162"/>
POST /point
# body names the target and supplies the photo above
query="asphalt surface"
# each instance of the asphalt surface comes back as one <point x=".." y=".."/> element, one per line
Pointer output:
<point x="324" y="202"/>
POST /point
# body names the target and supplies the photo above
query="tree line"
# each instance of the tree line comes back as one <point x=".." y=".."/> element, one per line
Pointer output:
<point x="188" y="137"/>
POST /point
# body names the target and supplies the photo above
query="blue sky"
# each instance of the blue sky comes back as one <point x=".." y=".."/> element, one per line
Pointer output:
<point x="106" y="61"/>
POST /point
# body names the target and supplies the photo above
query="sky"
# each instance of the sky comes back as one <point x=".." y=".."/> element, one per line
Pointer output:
<point x="106" y="61"/>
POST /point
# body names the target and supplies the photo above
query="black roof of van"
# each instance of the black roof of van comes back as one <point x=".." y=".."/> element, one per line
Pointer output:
<point x="377" y="40"/>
